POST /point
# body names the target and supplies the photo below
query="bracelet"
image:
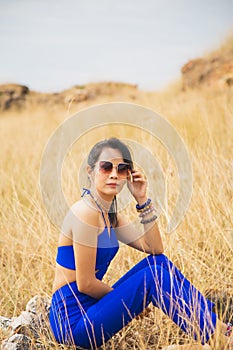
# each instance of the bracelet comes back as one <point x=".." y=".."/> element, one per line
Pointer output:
<point x="147" y="211"/>
<point x="140" y="207"/>
<point x="146" y="221"/>
<point x="229" y="329"/>
<point x="145" y="208"/>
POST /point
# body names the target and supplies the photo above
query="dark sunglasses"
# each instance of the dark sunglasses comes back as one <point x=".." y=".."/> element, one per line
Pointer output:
<point x="106" y="167"/>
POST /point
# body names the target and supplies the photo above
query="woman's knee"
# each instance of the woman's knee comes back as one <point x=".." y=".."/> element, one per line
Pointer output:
<point x="157" y="259"/>
<point x="153" y="259"/>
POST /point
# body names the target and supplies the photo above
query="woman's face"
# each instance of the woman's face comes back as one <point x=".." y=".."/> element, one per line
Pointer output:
<point x="108" y="183"/>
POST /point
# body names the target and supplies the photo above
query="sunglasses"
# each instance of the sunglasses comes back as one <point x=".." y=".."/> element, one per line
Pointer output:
<point x="106" y="167"/>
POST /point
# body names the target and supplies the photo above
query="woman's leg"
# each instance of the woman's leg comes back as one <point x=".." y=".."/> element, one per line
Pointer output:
<point x="151" y="260"/>
<point x="163" y="261"/>
<point x="144" y="284"/>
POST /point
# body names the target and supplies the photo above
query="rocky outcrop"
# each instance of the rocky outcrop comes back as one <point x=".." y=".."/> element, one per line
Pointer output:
<point x="86" y="92"/>
<point x="19" y="96"/>
<point x="26" y="330"/>
<point x="214" y="70"/>
<point x="208" y="72"/>
<point x="12" y="95"/>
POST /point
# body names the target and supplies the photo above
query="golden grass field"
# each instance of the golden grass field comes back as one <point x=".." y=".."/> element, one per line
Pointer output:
<point x="201" y="246"/>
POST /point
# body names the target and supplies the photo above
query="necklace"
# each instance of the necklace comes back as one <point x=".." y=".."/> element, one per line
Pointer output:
<point x="102" y="206"/>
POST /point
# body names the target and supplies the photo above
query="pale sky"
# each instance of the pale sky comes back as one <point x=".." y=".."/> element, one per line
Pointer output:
<point x="50" y="45"/>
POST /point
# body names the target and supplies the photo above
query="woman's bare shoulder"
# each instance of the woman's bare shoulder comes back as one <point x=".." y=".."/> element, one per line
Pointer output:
<point x="81" y="211"/>
<point x="80" y="224"/>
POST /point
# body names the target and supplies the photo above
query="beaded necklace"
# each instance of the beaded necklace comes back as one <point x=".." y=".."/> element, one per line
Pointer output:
<point x="99" y="205"/>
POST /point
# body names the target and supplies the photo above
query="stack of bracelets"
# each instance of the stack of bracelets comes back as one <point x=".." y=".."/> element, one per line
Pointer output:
<point x="145" y="209"/>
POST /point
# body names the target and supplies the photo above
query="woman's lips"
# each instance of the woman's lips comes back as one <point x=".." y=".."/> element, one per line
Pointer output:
<point x="113" y="184"/>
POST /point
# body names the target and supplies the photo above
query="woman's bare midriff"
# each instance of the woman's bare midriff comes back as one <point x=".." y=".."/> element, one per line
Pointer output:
<point x="63" y="275"/>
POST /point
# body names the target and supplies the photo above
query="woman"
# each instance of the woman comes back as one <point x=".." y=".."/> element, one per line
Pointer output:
<point x="86" y="311"/>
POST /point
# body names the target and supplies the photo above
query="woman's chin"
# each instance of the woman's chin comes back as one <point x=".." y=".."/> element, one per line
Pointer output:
<point x="111" y="190"/>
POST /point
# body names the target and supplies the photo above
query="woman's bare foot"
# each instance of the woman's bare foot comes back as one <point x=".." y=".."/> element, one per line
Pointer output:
<point x="219" y="340"/>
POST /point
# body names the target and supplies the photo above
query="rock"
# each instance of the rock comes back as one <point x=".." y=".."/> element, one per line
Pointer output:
<point x="29" y="325"/>
<point x="5" y="325"/>
<point x="90" y="91"/>
<point x="17" y="342"/>
<point x="12" y="95"/>
<point x="38" y="304"/>
<point x="22" y="323"/>
<point x="215" y="69"/>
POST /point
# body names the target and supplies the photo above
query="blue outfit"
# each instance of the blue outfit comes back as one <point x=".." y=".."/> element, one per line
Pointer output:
<point x="77" y="318"/>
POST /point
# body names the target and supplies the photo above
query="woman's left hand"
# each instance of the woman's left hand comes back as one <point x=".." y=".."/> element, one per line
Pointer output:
<point x="138" y="186"/>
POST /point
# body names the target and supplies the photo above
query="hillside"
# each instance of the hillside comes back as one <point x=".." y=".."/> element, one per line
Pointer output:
<point x="19" y="96"/>
<point x="213" y="70"/>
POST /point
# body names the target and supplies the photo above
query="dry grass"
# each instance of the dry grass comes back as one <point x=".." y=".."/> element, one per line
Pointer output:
<point x="201" y="246"/>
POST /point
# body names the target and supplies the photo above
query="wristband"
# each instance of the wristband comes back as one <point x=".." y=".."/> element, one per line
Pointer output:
<point x="142" y="206"/>
<point x="147" y="211"/>
<point x="146" y="221"/>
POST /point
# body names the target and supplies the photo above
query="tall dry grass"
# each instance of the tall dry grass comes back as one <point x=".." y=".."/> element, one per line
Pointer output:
<point x="201" y="246"/>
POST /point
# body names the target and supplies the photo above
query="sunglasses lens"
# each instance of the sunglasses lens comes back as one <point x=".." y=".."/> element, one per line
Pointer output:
<point x="105" y="167"/>
<point x="123" y="168"/>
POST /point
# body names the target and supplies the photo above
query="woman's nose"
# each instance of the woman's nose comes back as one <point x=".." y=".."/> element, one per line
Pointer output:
<point x="114" y="172"/>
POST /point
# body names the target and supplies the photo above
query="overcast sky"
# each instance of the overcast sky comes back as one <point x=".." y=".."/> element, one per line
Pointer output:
<point x="50" y="45"/>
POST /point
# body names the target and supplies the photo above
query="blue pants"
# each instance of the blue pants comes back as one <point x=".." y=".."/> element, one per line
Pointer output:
<point x="76" y="318"/>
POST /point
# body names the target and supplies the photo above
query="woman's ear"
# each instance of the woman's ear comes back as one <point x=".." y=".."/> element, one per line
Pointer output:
<point x="89" y="172"/>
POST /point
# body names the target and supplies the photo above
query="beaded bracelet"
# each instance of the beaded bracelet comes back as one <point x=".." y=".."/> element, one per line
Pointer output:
<point x="140" y="207"/>
<point x="146" y="221"/>
<point x="145" y="208"/>
<point x="229" y="329"/>
<point x="147" y="211"/>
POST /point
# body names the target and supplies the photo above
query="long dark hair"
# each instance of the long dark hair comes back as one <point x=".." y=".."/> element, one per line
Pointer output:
<point x="94" y="156"/>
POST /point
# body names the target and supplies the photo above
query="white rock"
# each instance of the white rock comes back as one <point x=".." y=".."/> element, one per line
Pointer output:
<point x="24" y="319"/>
<point x="5" y="323"/>
<point x="37" y="304"/>
<point x="16" y="342"/>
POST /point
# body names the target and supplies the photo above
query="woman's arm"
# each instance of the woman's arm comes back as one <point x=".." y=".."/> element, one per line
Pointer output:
<point x="85" y="259"/>
<point x="149" y="241"/>
<point x="84" y="224"/>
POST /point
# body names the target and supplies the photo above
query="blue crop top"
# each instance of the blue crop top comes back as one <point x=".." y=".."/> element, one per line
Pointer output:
<point x="107" y="247"/>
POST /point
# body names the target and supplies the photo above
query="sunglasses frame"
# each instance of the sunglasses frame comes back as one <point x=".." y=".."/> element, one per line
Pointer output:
<point x="103" y="171"/>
